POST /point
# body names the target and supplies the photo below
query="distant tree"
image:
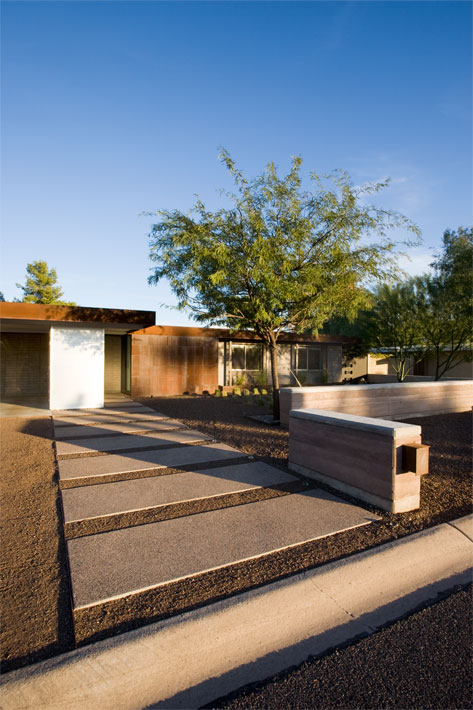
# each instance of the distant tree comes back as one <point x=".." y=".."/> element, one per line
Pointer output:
<point x="356" y="329"/>
<point x="280" y="258"/>
<point x="2" y="297"/>
<point x="394" y="325"/>
<point x="40" y="286"/>
<point x="447" y="302"/>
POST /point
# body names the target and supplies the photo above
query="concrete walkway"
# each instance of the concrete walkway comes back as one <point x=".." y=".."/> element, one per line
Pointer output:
<point x="97" y="476"/>
<point x="194" y="658"/>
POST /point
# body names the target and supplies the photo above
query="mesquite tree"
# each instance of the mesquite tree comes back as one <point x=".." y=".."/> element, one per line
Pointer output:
<point x="280" y="258"/>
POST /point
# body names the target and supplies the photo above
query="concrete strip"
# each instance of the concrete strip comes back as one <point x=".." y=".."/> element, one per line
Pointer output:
<point x="128" y="441"/>
<point x="112" y="498"/>
<point x="194" y="658"/>
<point x="141" y="461"/>
<point x="118" y="418"/>
<point x="465" y="526"/>
<point x="122" y="562"/>
<point x="84" y="430"/>
<point x="109" y="411"/>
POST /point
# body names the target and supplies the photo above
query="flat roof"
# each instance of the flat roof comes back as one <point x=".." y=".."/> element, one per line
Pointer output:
<point x="36" y="313"/>
<point x="226" y="334"/>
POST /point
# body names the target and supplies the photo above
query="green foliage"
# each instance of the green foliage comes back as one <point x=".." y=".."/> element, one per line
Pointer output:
<point x="239" y="380"/>
<point x="224" y="393"/>
<point x="40" y="286"/>
<point x="256" y="390"/>
<point x="237" y="391"/>
<point x="394" y="323"/>
<point x="263" y="391"/>
<point x="353" y="328"/>
<point x="2" y="297"/>
<point x="428" y="315"/>
<point x="261" y="378"/>
<point x="218" y="392"/>
<point x="447" y="302"/>
<point x="280" y="258"/>
<point x="246" y="392"/>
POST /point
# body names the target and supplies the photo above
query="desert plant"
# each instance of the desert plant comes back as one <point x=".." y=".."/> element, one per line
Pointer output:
<point x="260" y="378"/>
<point x="239" y="380"/>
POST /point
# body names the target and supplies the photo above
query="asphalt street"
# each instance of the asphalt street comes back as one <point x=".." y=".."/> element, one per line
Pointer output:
<point x="421" y="662"/>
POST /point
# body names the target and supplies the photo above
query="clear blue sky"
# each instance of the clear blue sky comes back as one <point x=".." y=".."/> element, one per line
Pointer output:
<point x="111" y="109"/>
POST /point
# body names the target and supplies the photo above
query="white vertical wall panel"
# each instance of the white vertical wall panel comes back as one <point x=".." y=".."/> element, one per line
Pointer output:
<point x="77" y="358"/>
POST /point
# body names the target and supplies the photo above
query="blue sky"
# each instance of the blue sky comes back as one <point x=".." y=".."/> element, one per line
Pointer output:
<point x="113" y="109"/>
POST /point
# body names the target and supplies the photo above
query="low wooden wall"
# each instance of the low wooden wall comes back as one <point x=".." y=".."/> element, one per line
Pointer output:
<point x="361" y="456"/>
<point x="400" y="400"/>
<point x="172" y="365"/>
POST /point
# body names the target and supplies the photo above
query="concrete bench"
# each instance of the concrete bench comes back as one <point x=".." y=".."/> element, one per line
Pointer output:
<point x="375" y="460"/>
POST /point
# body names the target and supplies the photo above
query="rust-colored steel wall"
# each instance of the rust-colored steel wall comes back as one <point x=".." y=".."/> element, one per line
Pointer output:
<point x="171" y="365"/>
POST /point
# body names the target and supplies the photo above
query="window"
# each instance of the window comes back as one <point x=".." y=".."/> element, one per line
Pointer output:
<point x="247" y="357"/>
<point x="308" y="358"/>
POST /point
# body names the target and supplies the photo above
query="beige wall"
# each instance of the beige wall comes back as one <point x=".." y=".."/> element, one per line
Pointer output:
<point x="399" y="400"/>
<point x="340" y="450"/>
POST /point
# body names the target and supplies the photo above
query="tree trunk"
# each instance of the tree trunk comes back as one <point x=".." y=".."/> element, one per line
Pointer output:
<point x="273" y="351"/>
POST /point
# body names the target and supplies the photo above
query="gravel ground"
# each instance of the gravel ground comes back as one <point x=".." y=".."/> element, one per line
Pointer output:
<point x="423" y="661"/>
<point x="34" y="565"/>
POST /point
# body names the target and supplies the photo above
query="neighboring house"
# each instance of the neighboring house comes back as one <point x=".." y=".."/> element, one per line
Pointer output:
<point x="379" y="368"/>
<point x="73" y="356"/>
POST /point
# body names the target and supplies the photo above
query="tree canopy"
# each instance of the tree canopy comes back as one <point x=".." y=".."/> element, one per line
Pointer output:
<point x="394" y="324"/>
<point x="40" y="286"/>
<point x="279" y="258"/>
<point x="428" y="315"/>
<point x="446" y="303"/>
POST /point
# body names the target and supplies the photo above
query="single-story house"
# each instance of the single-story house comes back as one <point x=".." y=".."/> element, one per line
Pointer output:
<point x="72" y="356"/>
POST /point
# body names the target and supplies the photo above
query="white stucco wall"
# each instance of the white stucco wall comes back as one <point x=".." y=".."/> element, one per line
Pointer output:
<point x="76" y="367"/>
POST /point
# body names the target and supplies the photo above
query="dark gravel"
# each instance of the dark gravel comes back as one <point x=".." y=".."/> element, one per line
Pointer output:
<point x="422" y="662"/>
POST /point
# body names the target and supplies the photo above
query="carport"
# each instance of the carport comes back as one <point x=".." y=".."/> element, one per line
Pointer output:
<point x="63" y="357"/>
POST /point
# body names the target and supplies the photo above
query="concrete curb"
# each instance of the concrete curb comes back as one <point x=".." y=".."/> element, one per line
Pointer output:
<point x="196" y="657"/>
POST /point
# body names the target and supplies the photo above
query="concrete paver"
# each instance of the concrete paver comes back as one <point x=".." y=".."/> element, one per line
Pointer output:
<point x="192" y="659"/>
<point x="125" y="561"/>
<point x="112" y="498"/>
<point x="86" y="430"/>
<point x="119" y="417"/>
<point x="143" y="460"/>
<point x="119" y="410"/>
<point x="129" y="441"/>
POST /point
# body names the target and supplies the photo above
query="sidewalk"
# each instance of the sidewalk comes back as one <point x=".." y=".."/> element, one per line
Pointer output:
<point x="196" y="657"/>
